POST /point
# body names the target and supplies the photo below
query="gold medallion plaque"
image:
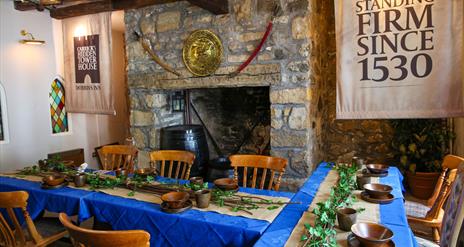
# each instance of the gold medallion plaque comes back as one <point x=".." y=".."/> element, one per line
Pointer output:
<point x="202" y="53"/>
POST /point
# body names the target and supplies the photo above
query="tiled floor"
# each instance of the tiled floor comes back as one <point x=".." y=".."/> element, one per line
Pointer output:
<point x="425" y="243"/>
<point x="50" y="224"/>
<point x="61" y="243"/>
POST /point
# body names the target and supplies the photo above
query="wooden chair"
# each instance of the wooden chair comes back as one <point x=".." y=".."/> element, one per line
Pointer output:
<point x="179" y="160"/>
<point x="452" y="231"/>
<point x="118" y="156"/>
<point x="97" y="152"/>
<point x="86" y="237"/>
<point x="274" y="164"/>
<point x="17" y="237"/>
<point x="429" y="213"/>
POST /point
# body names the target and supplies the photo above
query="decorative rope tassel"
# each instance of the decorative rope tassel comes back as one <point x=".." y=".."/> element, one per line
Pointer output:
<point x="277" y="11"/>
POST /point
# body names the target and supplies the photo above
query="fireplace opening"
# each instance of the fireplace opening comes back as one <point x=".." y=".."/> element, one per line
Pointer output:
<point x="238" y="119"/>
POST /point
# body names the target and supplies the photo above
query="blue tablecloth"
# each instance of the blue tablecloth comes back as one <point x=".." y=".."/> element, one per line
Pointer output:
<point x="65" y="199"/>
<point x="191" y="228"/>
<point x="392" y="215"/>
<point x="279" y="231"/>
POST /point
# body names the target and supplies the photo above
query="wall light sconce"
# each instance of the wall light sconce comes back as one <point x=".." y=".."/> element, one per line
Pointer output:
<point x="50" y="2"/>
<point x="30" y="40"/>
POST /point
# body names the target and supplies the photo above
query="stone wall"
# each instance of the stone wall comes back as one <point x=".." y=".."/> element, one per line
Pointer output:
<point x="282" y="65"/>
<point x="338" y="140"/>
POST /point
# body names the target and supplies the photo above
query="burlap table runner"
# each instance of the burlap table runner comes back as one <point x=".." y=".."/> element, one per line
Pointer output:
<point x="261" y="213"/>
<point x="370" y="214"/>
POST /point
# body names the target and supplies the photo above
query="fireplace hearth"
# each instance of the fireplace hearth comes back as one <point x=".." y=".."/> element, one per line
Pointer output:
<point x="238" y="119"/>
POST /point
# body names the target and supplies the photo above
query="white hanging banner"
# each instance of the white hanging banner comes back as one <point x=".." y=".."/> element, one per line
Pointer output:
<point x="399" y="58"/>
<point x="87" y="63"/>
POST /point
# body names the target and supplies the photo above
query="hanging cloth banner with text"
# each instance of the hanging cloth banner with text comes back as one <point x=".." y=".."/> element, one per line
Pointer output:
<point x="87" y="63"/>
<point x="399" y="58"/>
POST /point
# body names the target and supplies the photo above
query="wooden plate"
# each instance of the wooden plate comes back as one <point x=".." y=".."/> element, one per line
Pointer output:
<point x="367" y="198"/>
<point x="377" y="168"/>
<point x="234" y="189"/>
<point x="366" y="173"/>
<point x="48" y="187"/>
<point x="165" y="208"/>
<point x="354" y="242"/>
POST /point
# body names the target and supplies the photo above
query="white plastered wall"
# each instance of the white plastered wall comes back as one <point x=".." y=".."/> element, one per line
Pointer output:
<point x="26" y="72"/>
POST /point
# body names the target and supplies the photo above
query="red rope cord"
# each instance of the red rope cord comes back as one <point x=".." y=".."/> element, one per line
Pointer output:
<point x="255" y="52"/>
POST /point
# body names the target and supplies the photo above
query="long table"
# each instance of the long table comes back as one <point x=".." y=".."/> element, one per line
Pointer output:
<point x="392" y="215"/>
<point x="199" y="228"/>
<point x="192" y="228"/>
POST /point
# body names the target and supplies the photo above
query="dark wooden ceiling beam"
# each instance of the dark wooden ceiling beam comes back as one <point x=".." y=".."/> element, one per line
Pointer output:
<point x="81" y="9"/>
<point x="135" y="4"/>
<point x="102" y="6"/>
<point x="217" y="7"/>
<point x="24" y="6"/>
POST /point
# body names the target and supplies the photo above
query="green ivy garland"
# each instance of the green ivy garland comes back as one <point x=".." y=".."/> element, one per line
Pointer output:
<point x="323" y="234"/>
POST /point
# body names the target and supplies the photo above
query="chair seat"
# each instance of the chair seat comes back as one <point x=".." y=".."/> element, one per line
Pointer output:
<point x="48" y="226"/>
<point x="415" y="209"/>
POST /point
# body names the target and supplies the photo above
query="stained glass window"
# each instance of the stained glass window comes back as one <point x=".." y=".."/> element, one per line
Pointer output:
<point x="58" y="112"/>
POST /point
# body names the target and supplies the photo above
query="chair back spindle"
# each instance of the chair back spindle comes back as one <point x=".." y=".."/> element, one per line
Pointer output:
<point x="173" y="163"/>
<point x="450" y="162"/>
<point x="7" y="237"/>
<point x="118" y="156"/>
<point x="446" y="182"/>
<point x="260" y="166"/>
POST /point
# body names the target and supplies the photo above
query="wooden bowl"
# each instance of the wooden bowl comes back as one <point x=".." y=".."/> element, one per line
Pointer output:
<point x="377" y="168"/>
<point x="175" y="199"/>
<point x="378" y="191"/>
<point x="225" y="183"/>
<point x="53" y="180"/>
<point x="143" y="172"/>
<point x="371" y="234"/>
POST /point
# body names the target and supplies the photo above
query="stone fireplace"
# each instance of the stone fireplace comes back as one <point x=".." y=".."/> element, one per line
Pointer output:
<point x="296" y="65"/>
<point x="282" y="68"/>
<point x="238" y="119"/>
